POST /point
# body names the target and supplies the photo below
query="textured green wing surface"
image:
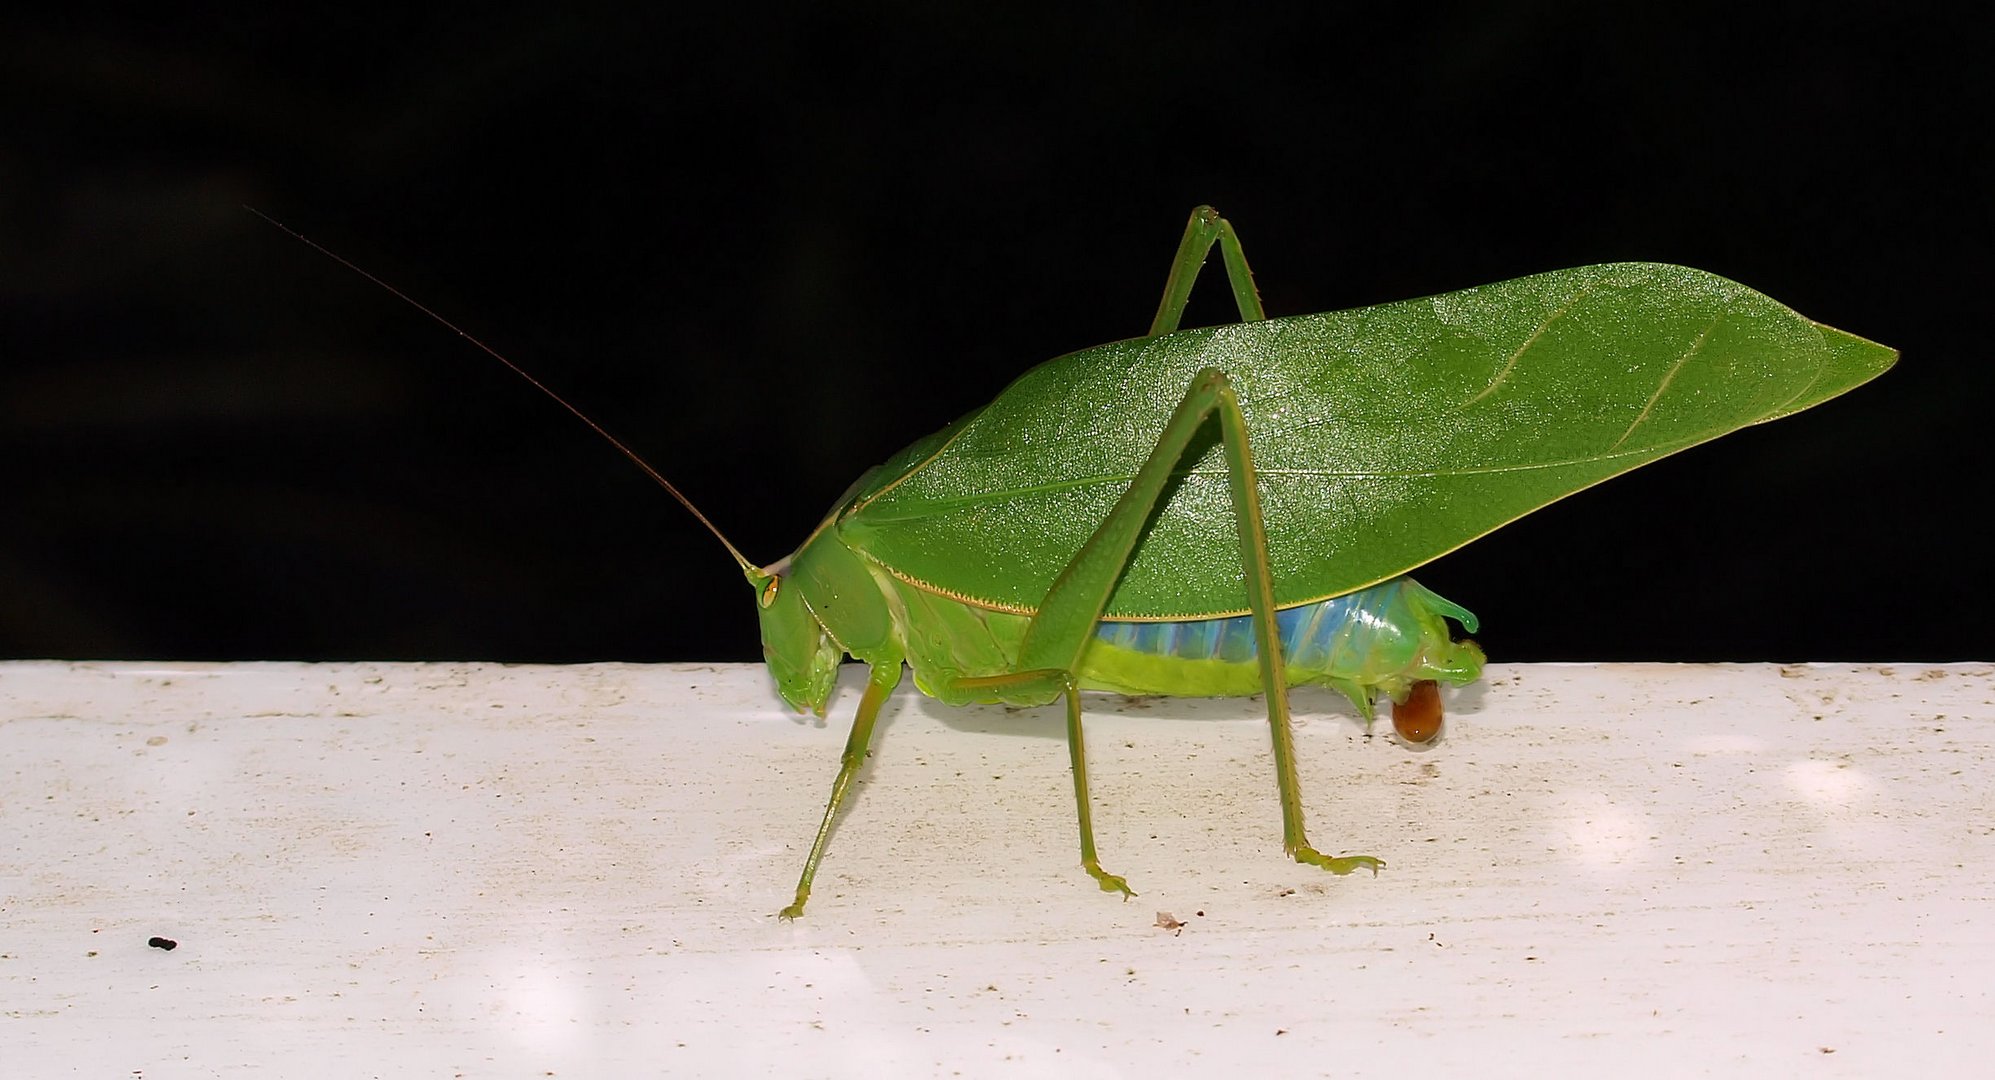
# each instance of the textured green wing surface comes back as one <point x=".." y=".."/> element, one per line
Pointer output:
<point x="1385" y="436"/>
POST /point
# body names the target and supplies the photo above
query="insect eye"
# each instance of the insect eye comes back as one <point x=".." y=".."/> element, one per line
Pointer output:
<point x="769" y="591"/>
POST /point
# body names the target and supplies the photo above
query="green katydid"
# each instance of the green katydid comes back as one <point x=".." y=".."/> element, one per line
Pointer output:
<point x="1148" y="516"/>
<point x="1151" y="515"/>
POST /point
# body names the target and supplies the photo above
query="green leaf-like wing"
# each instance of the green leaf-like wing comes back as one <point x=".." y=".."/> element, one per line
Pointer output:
<point x="1385" y="436"/>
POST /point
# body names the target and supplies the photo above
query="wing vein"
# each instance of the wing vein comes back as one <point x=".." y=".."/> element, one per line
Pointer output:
<point x="1662" y="387"/>
<point x="1518" y="355"/>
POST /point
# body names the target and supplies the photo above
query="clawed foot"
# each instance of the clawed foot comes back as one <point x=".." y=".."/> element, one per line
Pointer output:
<point x="1108" y="882"/>
<point x="1340" y="865"/>
<point x="796" y="908"/>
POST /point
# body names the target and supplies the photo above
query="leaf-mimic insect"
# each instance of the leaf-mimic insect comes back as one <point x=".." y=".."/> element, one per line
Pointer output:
<point x="1152" y="515"/>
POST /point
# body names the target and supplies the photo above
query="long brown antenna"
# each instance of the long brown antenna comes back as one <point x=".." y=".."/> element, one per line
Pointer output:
<point x="521" y="372"/>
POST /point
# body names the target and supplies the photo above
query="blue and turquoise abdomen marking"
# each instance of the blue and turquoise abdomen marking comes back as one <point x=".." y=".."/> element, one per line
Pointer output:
<point x="1311" y="634"/>
<point x="1385" y="637"/>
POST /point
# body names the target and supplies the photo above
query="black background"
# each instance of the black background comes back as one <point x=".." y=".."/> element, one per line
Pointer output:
<point x="769" y="246"/>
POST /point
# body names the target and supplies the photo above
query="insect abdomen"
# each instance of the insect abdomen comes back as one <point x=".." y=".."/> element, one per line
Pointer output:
<point x="1385" y="638"/>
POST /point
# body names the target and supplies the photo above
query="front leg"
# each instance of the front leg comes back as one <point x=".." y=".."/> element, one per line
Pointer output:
<point x="880" y="682"/>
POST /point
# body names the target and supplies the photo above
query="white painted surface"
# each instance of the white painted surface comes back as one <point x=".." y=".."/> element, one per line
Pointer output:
<point x="471" y="870"/>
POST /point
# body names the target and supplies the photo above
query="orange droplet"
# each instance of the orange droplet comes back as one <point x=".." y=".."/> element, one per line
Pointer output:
<point x="1418" y="718"/>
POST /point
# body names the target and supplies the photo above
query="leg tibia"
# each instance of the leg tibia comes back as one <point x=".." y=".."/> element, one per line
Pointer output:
<point x="1029" y="684"/>
<point x="880" y="683"/>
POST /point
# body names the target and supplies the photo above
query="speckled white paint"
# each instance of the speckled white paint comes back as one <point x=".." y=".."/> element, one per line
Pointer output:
<point x="458" y="869"/>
